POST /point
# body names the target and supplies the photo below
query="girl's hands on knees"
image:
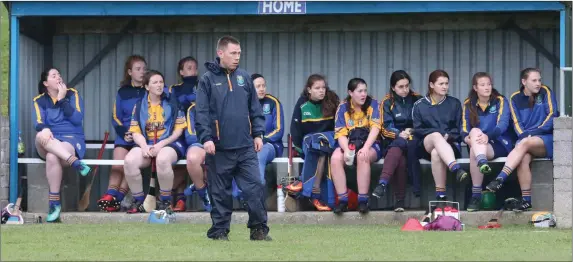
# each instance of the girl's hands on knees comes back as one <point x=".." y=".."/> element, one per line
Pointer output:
<point x="468" y="141"/>
<point x="482" y="139"/>
<point x="364" y="151"/>
<point x="145" y="151"/>
<point x="404" y="135"/>
<point x="46" y="134"/>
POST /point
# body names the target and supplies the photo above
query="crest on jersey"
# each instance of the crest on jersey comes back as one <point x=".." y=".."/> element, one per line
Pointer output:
<point x="240" y="80"/>
<point x="78" y="146"/>
<point x="266" y="109"/>
<point x="538" y="100"/>
<point x="492" y="109"/>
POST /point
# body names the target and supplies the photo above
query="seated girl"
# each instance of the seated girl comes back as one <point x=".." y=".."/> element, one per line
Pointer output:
<point x="484" y="129"/>
<point x="157" y="126"/>
<point x="60" y="141"/>
<point x="312" y="131"/>
<point x="533" y="108"/>
<point x="402" y="148"/>
<point x="357" y="126"/>
<point x="437" y="121"/>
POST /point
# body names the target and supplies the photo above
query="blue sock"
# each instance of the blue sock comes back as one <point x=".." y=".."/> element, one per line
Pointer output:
<point x="343" y="197"/>
<point x="74" y="162"/>
<point x="121" y="194"/>
<point x="526" y="195"/>
<point x="138" y="197"/>
<point x="201" y="191"/>
<point x="180" y="196"/>
<point x="54" y="198"/>
<point x="382" y="181"/>
<point x="476" y="191"/>
<point x="362" y="198"/>
<point x="481" y="159"/>
<point x="315" y="196"/>
<point x="112" y="190"/>
<point x="505" y="171"/>
<point x="454" y="166"/>
<point x="440" y="192"/>
<point x="165" y="195"/>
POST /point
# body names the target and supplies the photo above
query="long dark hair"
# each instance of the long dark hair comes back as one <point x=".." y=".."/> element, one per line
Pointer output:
<point x="473" y="96"/>
<point x="394" y="78"/>
<point x="434" y="77"/>
<point x="128" y="65"/>
<point x="352" y="85"/>
<point x="44" y="77"/>
<point x="331" y="99"/>
<point x="524" y="75"/>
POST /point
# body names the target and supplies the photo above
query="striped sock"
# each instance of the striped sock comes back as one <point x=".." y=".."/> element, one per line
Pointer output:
<point x="454" y="166"/>
<point x="481" y="159"/>
<point x="54" y="198"/>
<point x="343" y="197"/>
<point x="476" y="191"/>
<point x="362" y="198"/>
<point x="112" y="190"/>
<point x="138" y="197"/>
<point x="440" y="192"/>
<point x="165" y="195"/>
<point x="505" y="171"/>
<point x="74" y="162"/>
<point x="121" y="194"/>
<point x="526" y="194"/>
<point x="315" y="193"/>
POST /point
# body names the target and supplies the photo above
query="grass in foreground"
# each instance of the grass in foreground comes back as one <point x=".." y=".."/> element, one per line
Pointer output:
<point x="146" y="242"/>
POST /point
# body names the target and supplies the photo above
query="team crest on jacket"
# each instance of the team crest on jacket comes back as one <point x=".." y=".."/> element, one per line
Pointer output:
<point x="240" y="80"/>
<point x="266" y="109"/>
<point x="493" y="110"/>
<point x="539" y="100"/>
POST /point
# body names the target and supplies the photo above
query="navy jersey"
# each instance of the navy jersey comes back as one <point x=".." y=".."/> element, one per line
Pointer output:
<point x="444" y="117"/>
<point x="493" y="121"/>
<point x="61" y="117"/>
<point x="184" y="92"/>
<point x="396" y="112"/>
<point x="536" y="120"/>
<point x="125" y="100"/>
<point x="274" y="122"/>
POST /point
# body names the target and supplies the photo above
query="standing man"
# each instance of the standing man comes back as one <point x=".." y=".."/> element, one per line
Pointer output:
<point x="229" y="121"/>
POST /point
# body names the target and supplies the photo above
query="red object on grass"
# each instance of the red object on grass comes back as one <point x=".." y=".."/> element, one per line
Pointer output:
<point x="412" y="225"/>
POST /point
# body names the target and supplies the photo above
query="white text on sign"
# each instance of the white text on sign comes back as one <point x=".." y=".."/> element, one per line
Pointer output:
<point x="282" y="7"/>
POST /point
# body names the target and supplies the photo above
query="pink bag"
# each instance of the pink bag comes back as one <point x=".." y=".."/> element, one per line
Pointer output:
<point x="444" y="223"/>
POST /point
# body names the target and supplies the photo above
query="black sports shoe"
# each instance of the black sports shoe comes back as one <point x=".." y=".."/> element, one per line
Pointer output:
<point x="260" y="233"/>
<point x="379" y="191"/>
<point x="340" y="208"/>
<point x="495" y="185"/>
<point x="522" y="205"/>
<point x="474" y="204"/>
<point x="363" y="208"/>
<point x="165" y="205"/>
<point x="136" y="207"/>
<point x="399" y="205"/>
<point x="221" y="236"/>
<point x="461" y="175"/>
<point x="440" y="205"/>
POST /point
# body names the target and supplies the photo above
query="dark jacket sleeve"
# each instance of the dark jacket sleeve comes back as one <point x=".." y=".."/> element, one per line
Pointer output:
<point x="388" y="128"/>
<point x="296" y="127"/>
<point x="255" y="111"/>
<point x="276" y="134"/>
<point x="202" y="117"/>
<point x="503" y="117"/>
<point x="453" y="131"/>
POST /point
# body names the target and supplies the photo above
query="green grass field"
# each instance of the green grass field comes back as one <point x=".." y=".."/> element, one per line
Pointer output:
<point x="291" y="242"/>
<point x="4" y="56"/>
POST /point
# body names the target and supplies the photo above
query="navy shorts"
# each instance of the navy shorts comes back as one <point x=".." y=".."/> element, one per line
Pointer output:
<point x="78" y="142"/>
<point x="498" y="149"/>
<point x="178" y="147"/>
<point x="547" y="142"/>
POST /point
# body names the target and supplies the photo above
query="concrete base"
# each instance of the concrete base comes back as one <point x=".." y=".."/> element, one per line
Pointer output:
<point x="350" y="218"/>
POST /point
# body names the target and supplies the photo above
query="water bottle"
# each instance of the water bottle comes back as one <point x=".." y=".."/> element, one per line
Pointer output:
<point x="350" y="155"/>
<point x="280" y="199"/>
<point x="21" y="147"/>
